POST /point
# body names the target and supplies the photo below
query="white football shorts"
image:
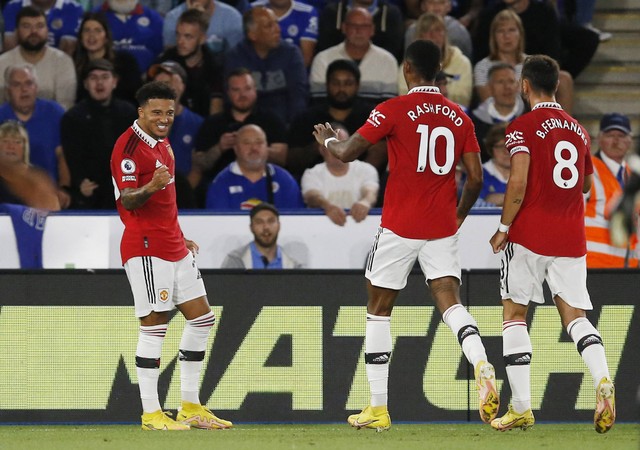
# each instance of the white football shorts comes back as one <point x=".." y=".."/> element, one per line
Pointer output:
<point x="522" y="273"/>
<point x="160" y="285"/>
<point x="392" y="257"/>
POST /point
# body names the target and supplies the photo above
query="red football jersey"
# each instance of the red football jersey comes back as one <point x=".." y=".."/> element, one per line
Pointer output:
<point x="152" y="229"/>
<point x="426" y="137"/>
<point x="551" y="219"/>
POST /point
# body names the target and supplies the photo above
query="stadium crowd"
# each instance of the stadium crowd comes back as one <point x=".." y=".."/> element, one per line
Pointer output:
<point x="69" y="70"/>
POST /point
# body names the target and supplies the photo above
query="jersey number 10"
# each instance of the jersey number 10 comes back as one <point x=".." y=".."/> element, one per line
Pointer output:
<point x="427" y="150"/>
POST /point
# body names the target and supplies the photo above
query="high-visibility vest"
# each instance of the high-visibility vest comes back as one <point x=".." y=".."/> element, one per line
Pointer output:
<point x="600" y="252"/>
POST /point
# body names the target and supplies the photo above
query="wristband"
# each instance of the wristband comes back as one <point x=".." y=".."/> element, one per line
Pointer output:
<point x="327" y="140"/>
<point x="502" y="228"/>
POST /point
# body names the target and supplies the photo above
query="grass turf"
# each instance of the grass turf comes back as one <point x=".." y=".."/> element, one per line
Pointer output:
<point x="312" y="436"/>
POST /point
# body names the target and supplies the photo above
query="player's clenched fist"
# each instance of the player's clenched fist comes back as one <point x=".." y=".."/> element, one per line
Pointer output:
<point x="161" y="177"/>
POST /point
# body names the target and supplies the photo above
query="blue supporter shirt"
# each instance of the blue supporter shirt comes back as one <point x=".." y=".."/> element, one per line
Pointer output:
<point x="140" y="34"/>
<point x="281" y="78"/>
<point x="232" y="191"/>
<point x="491" y="184"/>
<point x="63" y="19"/>
<point x="43" y="129"/>
<point x="182" y="137"/>
<point x="300" y="22"/>
<point x="258" y="262"/>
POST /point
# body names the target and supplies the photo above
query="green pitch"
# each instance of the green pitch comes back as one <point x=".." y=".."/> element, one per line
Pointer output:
<point x="318" y="437"/>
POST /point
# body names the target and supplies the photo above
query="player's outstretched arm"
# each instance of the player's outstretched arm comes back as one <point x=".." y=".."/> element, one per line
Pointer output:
<point x="133" y="198"/>
<point x="347" y="150"/>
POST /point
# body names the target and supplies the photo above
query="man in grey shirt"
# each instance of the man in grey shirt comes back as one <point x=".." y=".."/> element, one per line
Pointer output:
<point x="263" y="252"/>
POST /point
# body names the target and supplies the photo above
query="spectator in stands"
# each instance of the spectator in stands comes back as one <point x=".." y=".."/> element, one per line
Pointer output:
<point x="136" y="29"/>
<point x="458" y="34"/>
<point x="388" y="24"/>
<point x="217" y="136"/>
<point x="224" y="29"/>
<point x="88" y="132"/>
<point x="20" y="182"/>
<point x="62" y="17"/>
<point x="56" y="74"/>
<point x="95" y="42"/>
<point x="377" y="65"/>
<point x="41" y="118"/>
<point x="460" y="85"/>
<point x="263" y="252"/>
<point x="203" y="89"/>
<point x="298" y="24"/>
<point x="507" y="44"/>
<point x="502" y="106"/>
<point x="336" y="186"/>
<point x="250" y="180"/>
<point x="570" y="44"/>
<point x="343" y="106"/>
<point x="496" y="171"/>
<point x="277" y="66"/>
<point x="183" y="132"/>
<point x="610" y="175"/>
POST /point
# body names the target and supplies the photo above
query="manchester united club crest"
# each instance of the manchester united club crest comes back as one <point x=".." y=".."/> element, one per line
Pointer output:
<point x="163" y="295"/>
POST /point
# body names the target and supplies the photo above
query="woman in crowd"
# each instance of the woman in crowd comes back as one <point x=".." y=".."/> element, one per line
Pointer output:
<point x="21" y="183"/>
<point x="506" y="45"/>
<point x="95" y="41"/>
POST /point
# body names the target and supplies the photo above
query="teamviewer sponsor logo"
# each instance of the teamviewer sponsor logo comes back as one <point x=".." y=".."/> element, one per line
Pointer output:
<point x="515" y="137"/>
<point x="375" y="117"/>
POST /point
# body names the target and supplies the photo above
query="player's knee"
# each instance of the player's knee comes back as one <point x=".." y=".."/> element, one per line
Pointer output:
<point x="587" y="341"/>
<point x="467" y="331"/>
<point x="517" y="359"/>
<point x="377" y="358"/>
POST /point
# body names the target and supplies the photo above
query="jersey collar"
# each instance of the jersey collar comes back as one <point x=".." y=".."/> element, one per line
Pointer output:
<point x="151" y="142"/>
<point x="426" y="89"/>
<point x="547" y="105"/>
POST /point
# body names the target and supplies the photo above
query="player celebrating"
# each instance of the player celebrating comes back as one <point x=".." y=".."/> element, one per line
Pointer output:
<point x="426" y="137"/>
<point x="159" y="261"/>
<point x="543" y="237"/>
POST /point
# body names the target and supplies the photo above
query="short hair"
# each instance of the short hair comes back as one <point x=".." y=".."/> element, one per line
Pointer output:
<point x="30" y="11"/>
<point x="424" y="57"/>
<point x="195" y="17"/>
<point x="346" y="65"/>
<point x="543" y="72"/>
<point x="155" y="89"/>
<point x="15" y="128"/>
<point x="25" y="66"/>
<point x="239" y="71"/>
<point x="499" y="66"/>
<point x="263" y="206"/>
<point x="249" y="19"/>
<point x="494" y="135"/>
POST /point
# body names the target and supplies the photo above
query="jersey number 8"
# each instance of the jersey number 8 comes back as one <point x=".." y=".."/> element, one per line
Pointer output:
<point x="565" y="163"/>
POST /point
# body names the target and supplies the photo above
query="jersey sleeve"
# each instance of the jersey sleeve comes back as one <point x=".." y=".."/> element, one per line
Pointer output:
<point x="514" y="139"/>
<point x="588" y="164"/>
<point x="378" y="125"/>
<point x="471" y="142"/>
<point x="125" y="170"/>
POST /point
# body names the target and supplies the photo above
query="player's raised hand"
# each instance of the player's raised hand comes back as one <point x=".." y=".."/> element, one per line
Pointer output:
<point x="323" y="132"/>
<point x="161" y="178"/>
